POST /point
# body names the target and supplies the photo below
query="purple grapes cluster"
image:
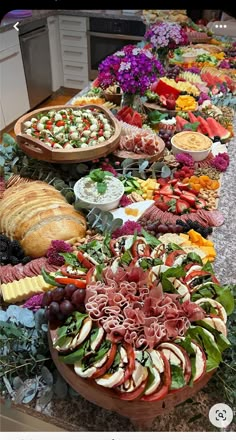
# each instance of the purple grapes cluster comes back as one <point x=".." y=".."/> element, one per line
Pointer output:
<point x="62" y="301"/>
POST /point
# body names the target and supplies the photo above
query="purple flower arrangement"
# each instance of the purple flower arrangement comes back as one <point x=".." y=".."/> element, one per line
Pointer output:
<point x="185" y="159"/>
<point x="166" y="35"/>
<point x="133" y="68"/>
<point x="220" y="162"/>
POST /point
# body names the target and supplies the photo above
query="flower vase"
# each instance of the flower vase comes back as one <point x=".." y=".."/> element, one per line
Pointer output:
<point x="163" y="55"/>
<point x="132" y="100"/>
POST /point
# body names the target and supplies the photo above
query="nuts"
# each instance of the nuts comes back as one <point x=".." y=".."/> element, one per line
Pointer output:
<point x="210" y="196"/>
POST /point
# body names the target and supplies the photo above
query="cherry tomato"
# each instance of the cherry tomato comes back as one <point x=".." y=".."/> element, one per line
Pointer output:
<point x="60" y="123"/>
<point x="64" y="116"/>
<point x="100" y="133"/>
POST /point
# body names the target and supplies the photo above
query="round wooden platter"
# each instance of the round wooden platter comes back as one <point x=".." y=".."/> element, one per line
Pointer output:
<point x="141" y="413"/>
<point x="123" y="154"/>
<point x="39" y="150"/>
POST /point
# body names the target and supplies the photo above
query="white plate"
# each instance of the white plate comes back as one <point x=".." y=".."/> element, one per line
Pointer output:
<point x="141" y="206"/>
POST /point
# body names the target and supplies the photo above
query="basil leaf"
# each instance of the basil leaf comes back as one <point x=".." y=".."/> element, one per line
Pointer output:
<point x="70" y="258"/>
<point x="221" y="341"/>
<point x="167" y="286"/>
<point x="101" y="187"/>
<point x="186" y="344"/>
<point x="143" y="358"/>
<point x="152" y="241"/>
<point x="115" y="364"/>
<point x="173" y="247"/>
<point x="208" y="267"/>
<point x="77" y="355"/>
<point x="176" y="272"/>
<point x="126" y="258"/>
<point x="99" y="270"/>
<point x="104" y="348"/>
<point x="225" y="297"/>
<point x="177" y="377"/>
<point x="151" y="378"/>
<point x="209" y="345"/>
<point x="192" y="256"/>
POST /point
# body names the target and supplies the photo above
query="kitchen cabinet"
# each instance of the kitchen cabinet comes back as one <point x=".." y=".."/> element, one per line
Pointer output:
<point x="13" y="90"/>
<point x="2" y="120"/>
<point x="74" y="51"/>
<point x="55" y="53"/>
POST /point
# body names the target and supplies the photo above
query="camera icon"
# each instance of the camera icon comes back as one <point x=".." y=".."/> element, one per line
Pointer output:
<point x="221" y="415"/>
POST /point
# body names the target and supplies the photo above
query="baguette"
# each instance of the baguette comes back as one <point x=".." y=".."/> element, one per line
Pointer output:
<point x="62" y="227"/>
<point x="35" y="214"/>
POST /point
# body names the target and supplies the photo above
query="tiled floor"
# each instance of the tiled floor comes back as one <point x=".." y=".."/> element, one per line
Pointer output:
<point x="60" y="97"/>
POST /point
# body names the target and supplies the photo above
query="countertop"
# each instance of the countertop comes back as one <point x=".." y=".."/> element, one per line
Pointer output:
<point x="77" y="414"/>
<point x="79" y="13"/>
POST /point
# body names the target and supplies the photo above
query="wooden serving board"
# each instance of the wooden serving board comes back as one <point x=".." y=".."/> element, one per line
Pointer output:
<point x="123" y="154"/>
<point x="39" y="150"/>
<point x="141" y="413"/>
<point x="152" y="106"/>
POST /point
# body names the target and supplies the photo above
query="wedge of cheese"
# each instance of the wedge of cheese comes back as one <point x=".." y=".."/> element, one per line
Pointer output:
<point x="18" y="291"/>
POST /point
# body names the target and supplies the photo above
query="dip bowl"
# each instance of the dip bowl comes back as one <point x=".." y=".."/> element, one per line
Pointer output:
<point x="199" y="145"/>
<point x="107" y="201"/>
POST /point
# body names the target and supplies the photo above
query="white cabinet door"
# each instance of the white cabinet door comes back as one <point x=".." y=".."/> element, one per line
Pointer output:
<point x="13" y="90"/>
<point x="55" y="53"/>
<point x="2" y="121"/>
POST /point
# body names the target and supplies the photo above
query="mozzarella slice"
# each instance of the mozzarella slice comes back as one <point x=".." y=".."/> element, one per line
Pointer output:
<point x="193" y="268"/>
<point x="176" y="351"/>
<point x="216" y="305"/>
<point x="200" y="361"/>
<point x="155" y="384"/>
<point x="139" y="374"/>
<point x="157" y="360"/>
<point x="95" y="344"/>
<point x="110" y="380"/>
<point x="84" y="373"/>
<point x="83" y="333"/>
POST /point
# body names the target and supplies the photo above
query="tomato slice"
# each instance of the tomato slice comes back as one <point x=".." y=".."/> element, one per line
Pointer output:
<point x="172" y="256"/>
<point x="145" y="250"/>
<point x="196" y="273"/>
<point x="81" y="284"/>
<point x="90" y="275"/>
<point x="102" y="370"/>
<point x="131" y="363"/>
<point x="163" y="389"/>
<point x="84" y="261"/>
<point x="112" y="247"/>
<point x="134" y="394"/>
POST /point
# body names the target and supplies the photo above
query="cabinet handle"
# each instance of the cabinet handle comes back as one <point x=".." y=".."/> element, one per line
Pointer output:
<point x="76" y="67"/>
<point x="74" y="80"/>
<point x="73" y="52"/>
<point x="72" y="37"/>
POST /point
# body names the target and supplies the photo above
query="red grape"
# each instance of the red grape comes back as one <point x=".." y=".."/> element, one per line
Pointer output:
<point x="163" y="228"/>
<point x="69" y="290"/>
<point x="78" y="297"/>
<point x="178" y="229"/>
<point x="58" y="294"/>
<point x="47" y="299"/>
<point x="66" y="307"/>
<point x="54" y="308"/>
<point x="172" y="229"/>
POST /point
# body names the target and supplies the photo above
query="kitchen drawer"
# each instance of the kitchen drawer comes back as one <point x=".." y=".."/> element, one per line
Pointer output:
<point x="75" y="82"/>
<point x="75" y="68"/>
<point x="8" y="39"/>
<point x="72" y="23"/>
<point x="69" y="53"/>
<point x="73" y="38"/>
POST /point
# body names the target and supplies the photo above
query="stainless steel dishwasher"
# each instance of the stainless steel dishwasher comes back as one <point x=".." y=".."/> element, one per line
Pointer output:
<point x="34" y="43"/>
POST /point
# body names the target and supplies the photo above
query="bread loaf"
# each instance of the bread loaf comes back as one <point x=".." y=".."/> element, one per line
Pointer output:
<point x="35" y="213"/>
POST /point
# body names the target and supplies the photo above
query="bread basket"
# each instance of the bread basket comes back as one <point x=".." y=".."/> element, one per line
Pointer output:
<point x="39" y="150"/>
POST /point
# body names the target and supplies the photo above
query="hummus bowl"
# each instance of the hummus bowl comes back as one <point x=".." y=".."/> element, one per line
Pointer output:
<point x="196" y="144"/>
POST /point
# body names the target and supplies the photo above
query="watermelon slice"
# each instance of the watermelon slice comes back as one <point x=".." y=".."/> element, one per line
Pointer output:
<point x="217" y="129"/>
<point x="137" y="120"/>
<point x="192" y="117"/>
<point x="204" y="128"/>
<point x="180" y="122"/>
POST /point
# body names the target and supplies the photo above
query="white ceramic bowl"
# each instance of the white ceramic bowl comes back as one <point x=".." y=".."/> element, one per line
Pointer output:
<point x="196" y="155"/>
<point x="189" y="58"/>
<point x="108" y="205"/>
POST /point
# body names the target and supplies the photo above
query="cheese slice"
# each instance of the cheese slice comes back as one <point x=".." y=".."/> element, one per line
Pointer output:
<point x="20" y="290"/>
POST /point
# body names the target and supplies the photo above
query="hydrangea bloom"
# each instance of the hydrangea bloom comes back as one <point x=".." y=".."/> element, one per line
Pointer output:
<point x="53" y="252"/>
<point x="133" y="68"/>
<point x="220" y="161"/>
<point x="165" y="34"/>
<point x="128" y="228"/>
<point x="185" y="159"/>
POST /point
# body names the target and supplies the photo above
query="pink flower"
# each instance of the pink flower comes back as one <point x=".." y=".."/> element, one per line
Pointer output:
<point x="220" y="162"/>
<point x="124" y="201"/>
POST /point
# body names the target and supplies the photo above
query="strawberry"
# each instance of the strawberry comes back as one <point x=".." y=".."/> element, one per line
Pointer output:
<point x="162" y="181"/>
<point x="188" y="197"/>
<point x="182" y="206"/>
<point x="183" y="186"/>
<point x="193" y="210"/>
<point x="162" y="205"/>
<point x="200" y="203"/>
<point x="177" y="191"/>
<point x="166" y="189"/>
<point x="173" y="181"/>
<point x="193" y="191"/>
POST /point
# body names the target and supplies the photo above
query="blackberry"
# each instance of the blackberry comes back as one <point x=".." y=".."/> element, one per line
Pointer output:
<point x="180" y="222"/>
<point x="5" y="239"/>
<point x="13" y="260"/>
<point x="216" y="139"/>
<point x="3" y="258"/>
<point x="25" y="260"/>
<point x="3" y="246"/>
<point x="189" y="222"/>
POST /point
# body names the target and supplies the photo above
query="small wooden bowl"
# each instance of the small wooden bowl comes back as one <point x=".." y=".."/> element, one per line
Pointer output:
<point x="141" y="413"/>
<point x="113" y="97"/>
<point x="38" y="150"/>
